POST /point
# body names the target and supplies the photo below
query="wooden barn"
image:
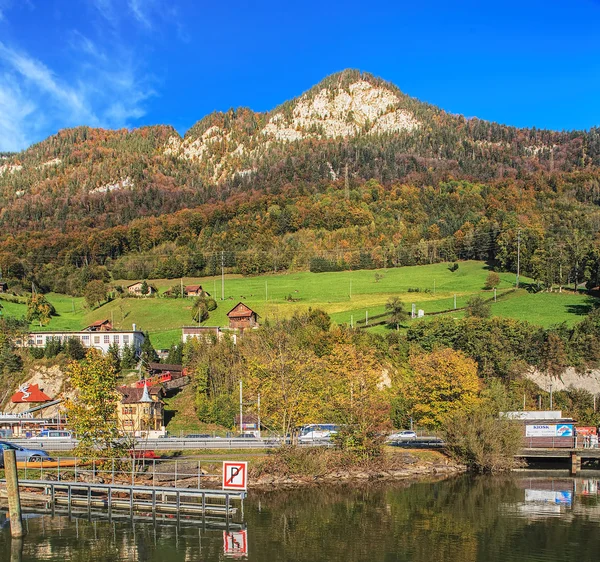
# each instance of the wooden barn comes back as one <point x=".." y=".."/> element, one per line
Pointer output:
<point x="242" y="317"/>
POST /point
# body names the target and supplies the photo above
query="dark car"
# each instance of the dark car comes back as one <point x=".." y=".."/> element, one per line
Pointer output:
<point x="23" y="454"/>
<point x="198" y="436"/>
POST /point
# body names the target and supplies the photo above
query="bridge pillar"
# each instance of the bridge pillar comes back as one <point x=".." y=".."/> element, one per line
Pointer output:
<point x="575" y="463"/>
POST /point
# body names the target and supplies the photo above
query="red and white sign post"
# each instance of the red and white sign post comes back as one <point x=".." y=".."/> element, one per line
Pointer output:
<point x="235" y="475"/>
<point x="235" y="543"/>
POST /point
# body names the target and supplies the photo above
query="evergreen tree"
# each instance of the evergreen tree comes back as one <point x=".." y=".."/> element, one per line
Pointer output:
<point x="175" y="356"/>
<point x="128" y="359"/>
<point x="74" y="349"/>
<point x="113" y="353"/>
<point x="148" y="353"/>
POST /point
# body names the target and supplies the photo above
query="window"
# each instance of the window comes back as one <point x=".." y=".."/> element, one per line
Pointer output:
<point x="115" y="339"/>
<point x="96" y="339"/>
<point x="85" y="338"/>
<point x="107" y="339"/>
<point x="128" y="410"/>
<point x="125" y="340"/>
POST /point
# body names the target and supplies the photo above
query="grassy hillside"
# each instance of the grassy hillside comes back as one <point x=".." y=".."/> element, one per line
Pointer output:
<point x="344" y="295"/>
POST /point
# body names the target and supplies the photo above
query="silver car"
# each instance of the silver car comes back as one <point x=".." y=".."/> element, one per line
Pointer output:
<point x="23" y="454"/>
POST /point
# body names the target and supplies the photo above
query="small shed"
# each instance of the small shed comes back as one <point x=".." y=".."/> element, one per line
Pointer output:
<point x="194" y="291"/>
<point x="242" y="316"/>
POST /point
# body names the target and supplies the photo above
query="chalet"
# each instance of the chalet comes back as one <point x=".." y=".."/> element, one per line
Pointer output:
<point x="136" y="289"/>
<point x="207" y="334"/>
<point x="194" y="291"/>
<point x="242" y="317"/>
<point x="3" y="287"/>
<point x="141" y="410"/>
<point x="99" y="326"/>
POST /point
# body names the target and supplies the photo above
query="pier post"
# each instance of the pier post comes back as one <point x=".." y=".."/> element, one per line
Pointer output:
<point x="12" y="490"/>
<point x="575" y="463"/>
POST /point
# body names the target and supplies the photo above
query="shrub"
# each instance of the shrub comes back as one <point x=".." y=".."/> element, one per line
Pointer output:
<point x="492" y="280"/>
<point x="482" y="441"/>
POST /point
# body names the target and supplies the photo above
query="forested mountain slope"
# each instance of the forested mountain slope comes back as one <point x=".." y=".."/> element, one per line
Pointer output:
<point x="354" y="173"/>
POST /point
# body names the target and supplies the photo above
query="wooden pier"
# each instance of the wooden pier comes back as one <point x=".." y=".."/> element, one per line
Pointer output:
<point x="117" y="497"/>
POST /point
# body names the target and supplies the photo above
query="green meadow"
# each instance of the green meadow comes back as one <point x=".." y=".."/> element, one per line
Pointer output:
<point x="348" y="296"/>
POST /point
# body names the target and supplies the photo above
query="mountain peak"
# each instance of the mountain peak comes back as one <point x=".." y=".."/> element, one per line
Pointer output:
<point x="343" y="105"/>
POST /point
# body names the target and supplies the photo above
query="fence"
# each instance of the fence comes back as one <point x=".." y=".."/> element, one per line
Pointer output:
<point x="176" y="473"/>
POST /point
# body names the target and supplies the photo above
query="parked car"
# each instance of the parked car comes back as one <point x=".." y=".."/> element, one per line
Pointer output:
<point x="245" y="436"/>
<point x="54" y="434"/>
<point x="23" y="454"/>
<point x="402" y="436"/>
<point x="197" y="436"/>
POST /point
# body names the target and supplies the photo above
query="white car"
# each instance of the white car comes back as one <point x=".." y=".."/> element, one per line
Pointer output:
<point x="402" y="436"/>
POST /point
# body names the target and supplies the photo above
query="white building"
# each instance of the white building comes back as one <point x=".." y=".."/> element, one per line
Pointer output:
<point x="99" y="340"/>
<point x="205" y="333"/>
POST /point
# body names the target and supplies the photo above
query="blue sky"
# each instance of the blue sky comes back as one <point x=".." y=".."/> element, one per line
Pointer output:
<point x="126" y="63"/>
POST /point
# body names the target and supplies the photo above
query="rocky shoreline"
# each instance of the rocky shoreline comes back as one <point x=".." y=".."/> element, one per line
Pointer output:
<point x="414" y="471"/>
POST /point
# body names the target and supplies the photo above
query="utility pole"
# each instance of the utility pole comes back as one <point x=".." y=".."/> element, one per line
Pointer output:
<point x="455" y="302"/>
<point x="366" y="317"/>
<point x="222" y="275"/>
<point x="518" y="255"/>
<point x="241" y="406"/>
<point x="551" y="396"/>
<point x="352" y="326"/>
<point x="258" y="407"/>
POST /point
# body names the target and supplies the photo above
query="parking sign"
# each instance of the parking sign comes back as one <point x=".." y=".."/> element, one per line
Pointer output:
<point x="235" y="475"/>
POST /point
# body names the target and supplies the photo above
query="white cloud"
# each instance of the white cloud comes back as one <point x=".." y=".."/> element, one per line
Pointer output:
<point x="100" y="91"/>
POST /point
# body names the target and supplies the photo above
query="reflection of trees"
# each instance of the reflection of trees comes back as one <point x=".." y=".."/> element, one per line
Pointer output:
<point x="459" y="520"/>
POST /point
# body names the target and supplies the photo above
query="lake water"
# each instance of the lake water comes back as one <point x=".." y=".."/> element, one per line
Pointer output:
<point x="460" y="520"/>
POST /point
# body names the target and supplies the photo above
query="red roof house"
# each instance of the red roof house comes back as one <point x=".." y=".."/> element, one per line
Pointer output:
<point x="29" y="393"/>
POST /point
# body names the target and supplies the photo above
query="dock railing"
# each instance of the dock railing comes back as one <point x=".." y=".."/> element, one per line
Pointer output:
<point x="176" y="473"/>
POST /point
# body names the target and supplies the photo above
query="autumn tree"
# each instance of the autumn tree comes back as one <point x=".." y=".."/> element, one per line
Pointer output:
<point x="492" y="280"/>
<point x="397" y="312"/>
<point x="287" y="375"/>
<point x="92" y="412"/>
<point x="39" y="309"/>
<point x="438" y="384"/>
<point x="95" y="293"/>
<point x="554" y="358"/>
<point x="354" y="390"/>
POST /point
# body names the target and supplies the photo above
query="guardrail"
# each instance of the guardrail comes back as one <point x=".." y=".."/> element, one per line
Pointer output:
<point x="168" y="444"/>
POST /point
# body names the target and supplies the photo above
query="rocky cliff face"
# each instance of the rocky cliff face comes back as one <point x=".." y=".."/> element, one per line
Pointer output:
<point x="341" y="107"/>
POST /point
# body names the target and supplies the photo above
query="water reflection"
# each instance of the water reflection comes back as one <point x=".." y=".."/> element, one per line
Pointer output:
<point x="460" y="520"/>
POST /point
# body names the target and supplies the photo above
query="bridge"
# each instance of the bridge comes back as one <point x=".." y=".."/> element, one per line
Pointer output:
<point x="574" y="455"/>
